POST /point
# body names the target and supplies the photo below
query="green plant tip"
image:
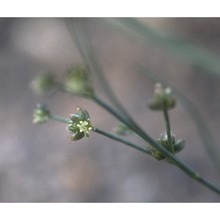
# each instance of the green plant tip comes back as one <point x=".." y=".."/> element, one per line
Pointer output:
<point x="41" y="114"/>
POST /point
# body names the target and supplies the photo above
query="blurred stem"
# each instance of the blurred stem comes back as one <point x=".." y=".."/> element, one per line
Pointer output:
<point x="195" y="55"/>
<point x="179" y="163"/>
<point x="80" y="35"/>
<point x="168" y="129"/>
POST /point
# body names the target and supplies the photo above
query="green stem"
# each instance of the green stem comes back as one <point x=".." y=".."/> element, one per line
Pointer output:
<point x="58" y="118"/>
<point x="133" y="126"/>
<point x="122" y="140"/>
<point x="168" y="129"/>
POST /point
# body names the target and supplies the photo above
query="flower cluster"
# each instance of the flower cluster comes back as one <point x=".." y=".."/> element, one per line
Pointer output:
<point x="78" y="82"/>
<point x="162" y="99"/>
<point x="80" y="125"/>
<point x="41" y="114"/>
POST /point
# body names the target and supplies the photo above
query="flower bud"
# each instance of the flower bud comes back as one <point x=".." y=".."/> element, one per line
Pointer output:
<point x="164" y="139"/>
<point x="178" y="145"/>
<point x="162" y="98"/>
<point x="80" y="125"/>
<point x="41" y="114"/>
<point x="78" y="82"/>
<point x="42" y="84"/>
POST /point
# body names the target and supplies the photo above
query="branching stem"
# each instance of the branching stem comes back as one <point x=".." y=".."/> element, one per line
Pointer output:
<point x="127" y="120"/>
<point x="179" y="163"/>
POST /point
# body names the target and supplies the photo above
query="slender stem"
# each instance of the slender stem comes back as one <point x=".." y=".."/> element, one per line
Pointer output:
<point x="179" y="163"/>
<point x="79" y="33"/>
<point x="168" y="129"/>
<point x="58" y="118"/>
<point x="122" y="140"/>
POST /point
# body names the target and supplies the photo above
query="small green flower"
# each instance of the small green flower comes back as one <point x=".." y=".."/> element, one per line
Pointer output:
<point x="162" y="99"/>
<point x="43" y="84"/>
<point x="78" y="81"/>
<point x="41" y="114"/>
<point x="80" y="125"/>
<point x="178" y="145"/>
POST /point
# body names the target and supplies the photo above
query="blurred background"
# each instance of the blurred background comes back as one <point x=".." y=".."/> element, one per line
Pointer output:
<point x="38" y="163"/>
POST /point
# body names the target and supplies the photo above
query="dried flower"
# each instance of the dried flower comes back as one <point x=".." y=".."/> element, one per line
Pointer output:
<point x="80" y="125"/>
